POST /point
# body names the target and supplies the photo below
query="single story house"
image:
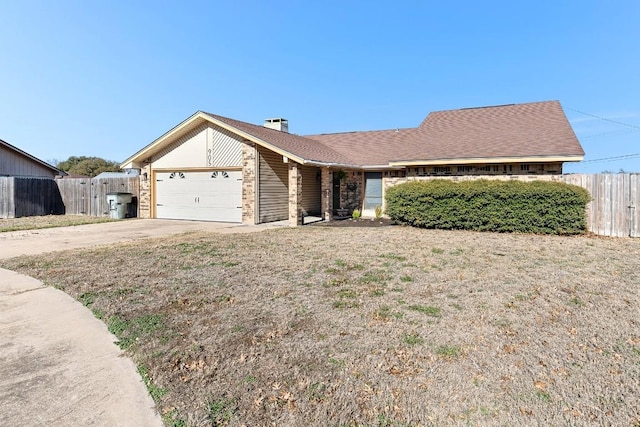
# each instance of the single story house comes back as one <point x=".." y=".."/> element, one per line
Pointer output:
<point x="215" y="168"/>
<point x="17" y="163"/>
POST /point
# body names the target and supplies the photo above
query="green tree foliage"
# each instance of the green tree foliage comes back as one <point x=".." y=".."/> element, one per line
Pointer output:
<point x="89" y="166"/>
<point x="489" y="205"/>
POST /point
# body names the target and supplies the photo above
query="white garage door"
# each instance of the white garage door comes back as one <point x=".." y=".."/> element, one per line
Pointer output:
<point x="202" y="196"/>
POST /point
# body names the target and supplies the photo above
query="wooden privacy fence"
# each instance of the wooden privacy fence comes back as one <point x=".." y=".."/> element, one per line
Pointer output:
<point x="24" y="196"/>
<point x="85" y="196"/>
<point x="615" y="208"/>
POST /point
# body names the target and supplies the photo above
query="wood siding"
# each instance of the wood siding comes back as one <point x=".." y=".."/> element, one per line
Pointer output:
<point x="15" y="164"/>
<point x="273" y="187"/>
<point x="205" y="146"/>
<point x="311" y="190"/>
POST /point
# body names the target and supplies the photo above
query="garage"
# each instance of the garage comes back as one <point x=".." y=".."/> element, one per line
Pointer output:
<point x="214" y="195"/>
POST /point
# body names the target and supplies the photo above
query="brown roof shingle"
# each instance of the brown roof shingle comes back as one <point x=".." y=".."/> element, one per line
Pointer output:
<point x="306" y="148"/>
<point x="538" y="129"/>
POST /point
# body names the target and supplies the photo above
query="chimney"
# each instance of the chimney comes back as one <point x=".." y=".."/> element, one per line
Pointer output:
<point x="278" y="124"/>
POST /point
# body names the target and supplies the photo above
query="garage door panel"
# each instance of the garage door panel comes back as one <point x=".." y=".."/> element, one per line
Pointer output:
<point x="205" y="196"/>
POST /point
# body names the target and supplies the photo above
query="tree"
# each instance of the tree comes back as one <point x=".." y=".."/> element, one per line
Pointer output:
<point x="89" y="166"/>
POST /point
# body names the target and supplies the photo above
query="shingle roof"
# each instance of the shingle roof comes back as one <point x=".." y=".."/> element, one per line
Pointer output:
<point x="305" y="148"/>
<point x="538" y="129"/>
<point x="521" y="131"/>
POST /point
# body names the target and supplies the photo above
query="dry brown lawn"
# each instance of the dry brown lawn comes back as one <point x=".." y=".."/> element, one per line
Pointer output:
<point x="389" y="326"/>
<point x="47" y="221"/>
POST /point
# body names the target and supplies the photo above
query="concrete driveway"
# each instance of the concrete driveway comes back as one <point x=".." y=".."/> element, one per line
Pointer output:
<point x="59" y="365"/>
<point x="31" y="242"/>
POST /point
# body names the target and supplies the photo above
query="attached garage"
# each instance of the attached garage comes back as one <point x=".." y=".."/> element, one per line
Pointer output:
<point x="202" y="196"/>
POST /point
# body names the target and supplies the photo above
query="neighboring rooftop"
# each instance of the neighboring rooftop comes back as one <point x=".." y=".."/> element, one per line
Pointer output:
<point x="30" y="157"/>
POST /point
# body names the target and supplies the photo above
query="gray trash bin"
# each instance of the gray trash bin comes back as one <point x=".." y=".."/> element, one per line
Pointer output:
<point x="118" y="204"/>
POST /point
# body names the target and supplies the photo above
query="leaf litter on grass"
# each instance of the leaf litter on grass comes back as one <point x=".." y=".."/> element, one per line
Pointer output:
<point x="532" y="310"/>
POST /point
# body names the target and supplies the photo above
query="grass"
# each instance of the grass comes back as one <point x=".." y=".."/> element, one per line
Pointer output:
<point x="48" y="221"/>
<point x="427" y="309"/>
<point x="291" y="327"/>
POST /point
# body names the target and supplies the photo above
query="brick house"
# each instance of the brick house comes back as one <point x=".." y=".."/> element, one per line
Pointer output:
<point x="215" y="168"/>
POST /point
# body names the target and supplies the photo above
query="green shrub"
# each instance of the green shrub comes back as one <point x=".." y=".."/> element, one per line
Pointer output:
<point x="356" y="214"/>
<point x="378" y="212"/>
<point x="489" y="205"/>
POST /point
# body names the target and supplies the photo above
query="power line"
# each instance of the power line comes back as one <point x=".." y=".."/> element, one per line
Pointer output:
<point x="613" y="159"/>
<point x="605" y="119"/>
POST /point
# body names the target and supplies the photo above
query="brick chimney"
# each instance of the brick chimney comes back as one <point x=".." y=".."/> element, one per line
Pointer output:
<point x="278" y="124"/>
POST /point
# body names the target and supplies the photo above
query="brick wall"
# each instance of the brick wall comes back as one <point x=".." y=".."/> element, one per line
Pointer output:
<point x="248" y="183"/>
<point x="295" y="194"/>
<point x="144" y="200"/>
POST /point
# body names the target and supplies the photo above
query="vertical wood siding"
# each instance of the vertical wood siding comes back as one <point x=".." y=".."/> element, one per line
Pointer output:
<point x="273" y="188"/>
<point x="203" y="147"/>
<point x="14" y="164"/>
<point x="311" y="190"/>
<point x="223" y="149"/>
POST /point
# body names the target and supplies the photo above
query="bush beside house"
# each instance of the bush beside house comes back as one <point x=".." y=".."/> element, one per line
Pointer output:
<point x="487" y="205"/>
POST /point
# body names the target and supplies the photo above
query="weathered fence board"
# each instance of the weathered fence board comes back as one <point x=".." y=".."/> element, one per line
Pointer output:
<point x="20" y="196"/>
<point x="76" y="194"/>
<point x="37" y="196"/>
<point x="615" y="206"/>
<point x="84" y="196"/>
<point x="100" y="188"/>
<point x="29" y="196"/>
<point x="7" y="206"/>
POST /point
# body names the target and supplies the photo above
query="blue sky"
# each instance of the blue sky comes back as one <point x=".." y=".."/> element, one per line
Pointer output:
<point x="105" y="78"/>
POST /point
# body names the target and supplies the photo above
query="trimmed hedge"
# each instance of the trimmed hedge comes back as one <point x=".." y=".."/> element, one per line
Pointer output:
<point x="541" y="207"/>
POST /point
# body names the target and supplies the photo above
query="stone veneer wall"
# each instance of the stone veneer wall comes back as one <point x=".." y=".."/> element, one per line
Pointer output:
<point x="352" y="190"/>
<point x="248" y="183"/>
<point x="144" y="200"/>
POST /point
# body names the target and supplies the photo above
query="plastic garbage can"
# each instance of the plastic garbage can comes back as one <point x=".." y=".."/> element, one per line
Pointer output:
<point x="118" y="204"/>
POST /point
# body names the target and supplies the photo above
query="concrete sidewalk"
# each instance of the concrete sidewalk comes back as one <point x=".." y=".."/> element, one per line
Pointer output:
<point x="59" y="365"/>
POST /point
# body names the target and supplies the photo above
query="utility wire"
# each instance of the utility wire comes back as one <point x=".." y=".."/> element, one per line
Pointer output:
<point x="613" y="159"/>
<point x="605" y="119"/>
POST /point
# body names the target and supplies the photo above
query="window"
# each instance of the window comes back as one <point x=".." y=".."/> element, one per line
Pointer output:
<point x="372" y="190"/>
<point x="464" y="168"/>
<point x="442" y="169"/>
<point x="524" y="167"/>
